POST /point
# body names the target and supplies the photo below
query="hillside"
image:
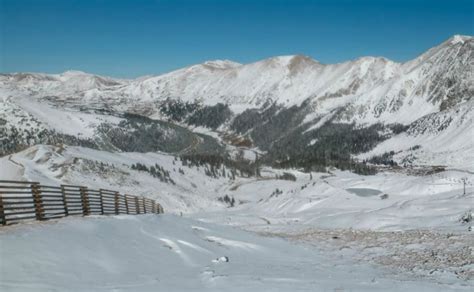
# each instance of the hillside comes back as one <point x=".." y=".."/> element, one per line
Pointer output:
<point x="272" y="104"/>
<point x="359" y="168"/>
<point x="168" y="253"/>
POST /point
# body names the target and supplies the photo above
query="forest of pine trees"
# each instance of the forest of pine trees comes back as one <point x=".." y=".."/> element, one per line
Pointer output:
<point x="155" y="171"/>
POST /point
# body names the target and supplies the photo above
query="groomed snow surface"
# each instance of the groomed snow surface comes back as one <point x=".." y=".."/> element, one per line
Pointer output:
<point x="171" y="253"/>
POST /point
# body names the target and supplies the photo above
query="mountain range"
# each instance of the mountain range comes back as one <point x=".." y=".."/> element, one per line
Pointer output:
<point x="293" y="110"/>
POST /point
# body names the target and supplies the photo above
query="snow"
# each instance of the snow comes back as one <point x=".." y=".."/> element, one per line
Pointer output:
<point x="312" y="142"/>
<point x="322" y="200"/>
<point x="53" y="165"/>
<point x="452" y="147"/>
<point x="368" y="90"/>
<point x="168" y="253"/>
<point x="72" y="122"/>
<point x="176" y="253"/>
<point x="413" y="202"/>
<point x="320" y="123"/>
<point x="368" y="83"/>
<point x="457" y="39"/>
<point x="396" y="230"/>
<point x="222" y="64"/>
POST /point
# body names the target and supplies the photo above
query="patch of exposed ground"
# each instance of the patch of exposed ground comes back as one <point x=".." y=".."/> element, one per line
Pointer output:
<point x="417" y="252"/>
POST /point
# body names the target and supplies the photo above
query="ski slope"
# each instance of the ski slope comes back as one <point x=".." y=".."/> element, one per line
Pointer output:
<point x="317" y="199"/>
<point x="339" y="233"/>
<point x="170" y="253"/>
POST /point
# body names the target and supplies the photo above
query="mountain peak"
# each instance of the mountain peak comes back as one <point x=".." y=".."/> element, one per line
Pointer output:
<point x="222" y="64"/>
<point x="74" y="73"/>
<point x="456" y="39"/>
<point x="372" y="59"/>
<point x="294" y="63"/>
<point x="288" y="59"/>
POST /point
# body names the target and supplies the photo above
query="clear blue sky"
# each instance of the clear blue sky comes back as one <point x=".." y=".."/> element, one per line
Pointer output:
<point x="133" y="38"/>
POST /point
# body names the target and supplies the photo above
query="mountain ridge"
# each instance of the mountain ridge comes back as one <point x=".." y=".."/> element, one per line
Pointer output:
<point x="457" y="38"/>
<point x="268" y="101"/>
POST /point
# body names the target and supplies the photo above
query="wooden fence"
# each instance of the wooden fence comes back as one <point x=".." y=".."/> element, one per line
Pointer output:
<point x="22" y="200"/>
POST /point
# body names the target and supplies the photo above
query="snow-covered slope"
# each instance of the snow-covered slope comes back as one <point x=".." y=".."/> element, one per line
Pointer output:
<point x="370" y="88"/>
<point x="392" y="217"/>
<point x="438" y="84"/>
<point x="384" y="213"/>
<point x="373" y="88"/>
<point x="69" y="82"/>
<point x="188" y="188"/>
<point x="168" y="253"/>
<point x="442" y="138"/>
<point x="316" y="199"/>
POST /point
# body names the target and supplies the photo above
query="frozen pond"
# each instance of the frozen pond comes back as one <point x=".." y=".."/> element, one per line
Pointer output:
<point x="364" y="192"/>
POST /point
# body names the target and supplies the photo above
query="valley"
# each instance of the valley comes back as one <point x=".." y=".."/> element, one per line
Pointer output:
<point x="359" y="168"/>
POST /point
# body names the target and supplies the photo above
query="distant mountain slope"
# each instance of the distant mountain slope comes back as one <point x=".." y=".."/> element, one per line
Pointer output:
<point x="272" y="101"/>
<point x="442" y="138"/>
<point x="378" y="87"/>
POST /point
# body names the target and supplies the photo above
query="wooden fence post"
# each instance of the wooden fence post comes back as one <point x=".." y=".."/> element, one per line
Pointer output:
<point x="153" y="206"/>
<point x="38" y="201"/>
<point x="144" y="206"/>
<point x="85" y="201"/>
<point x="116" y="197"/>
<point x="101" y="202"/>
<point x="63" y="194"/>
<point x="137" y="206"/>
<point x="2" y="212"/>
<point x="126" y="203"/>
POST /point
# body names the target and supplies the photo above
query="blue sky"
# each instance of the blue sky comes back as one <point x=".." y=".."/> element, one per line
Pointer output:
<point x="140" y="37"/>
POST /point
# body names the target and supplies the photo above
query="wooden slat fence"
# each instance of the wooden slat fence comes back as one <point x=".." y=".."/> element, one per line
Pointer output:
<point x="25" y="200"/>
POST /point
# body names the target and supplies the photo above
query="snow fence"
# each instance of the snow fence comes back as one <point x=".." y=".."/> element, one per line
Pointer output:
<point x="25" y="200"/>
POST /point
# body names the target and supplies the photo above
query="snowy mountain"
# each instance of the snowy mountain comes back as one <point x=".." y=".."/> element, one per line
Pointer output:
<point x="391" y="222"/>
<point x="268" y="102"/>
<point x="371" y="160"/>
<point x="442" y="74"/>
